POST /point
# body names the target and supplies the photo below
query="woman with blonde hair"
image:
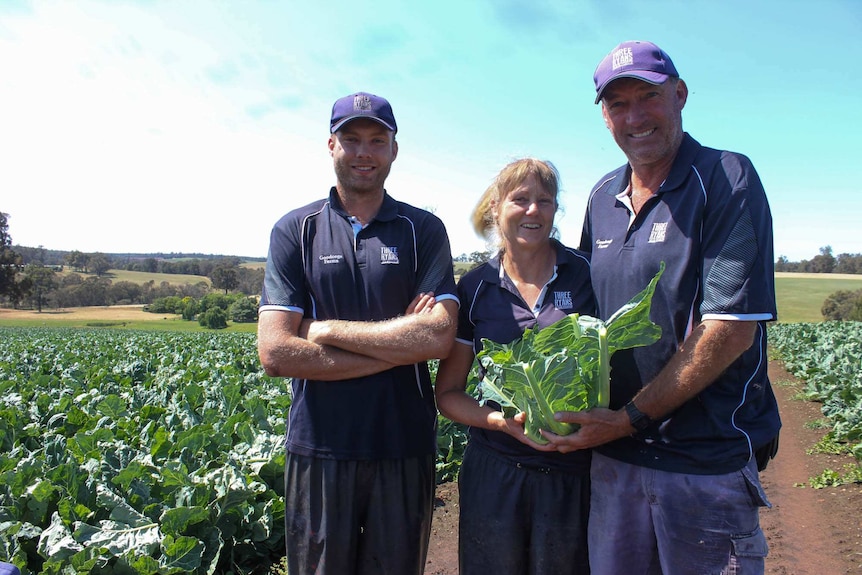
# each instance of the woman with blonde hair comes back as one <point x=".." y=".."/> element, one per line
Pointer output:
<point x="523" y="506"/>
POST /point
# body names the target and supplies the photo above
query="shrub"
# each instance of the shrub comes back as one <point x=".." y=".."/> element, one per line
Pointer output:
<point x="843" y="305"/>
<point x="170" y="304"/>
<point x="243" y="310"/>
<point x="213" y="318"/>
<point x="190" y="309"/>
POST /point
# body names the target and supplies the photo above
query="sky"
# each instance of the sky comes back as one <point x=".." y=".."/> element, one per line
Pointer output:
<point x="191" y="126"/>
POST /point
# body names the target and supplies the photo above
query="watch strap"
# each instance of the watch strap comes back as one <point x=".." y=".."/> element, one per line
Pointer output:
<point x="639" y="420"/>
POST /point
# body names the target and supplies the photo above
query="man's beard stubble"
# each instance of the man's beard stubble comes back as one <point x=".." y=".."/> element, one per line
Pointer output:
<point x="353" y="184"/>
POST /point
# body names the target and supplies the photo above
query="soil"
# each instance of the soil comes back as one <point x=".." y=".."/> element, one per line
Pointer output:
<point x="810" y="531"/>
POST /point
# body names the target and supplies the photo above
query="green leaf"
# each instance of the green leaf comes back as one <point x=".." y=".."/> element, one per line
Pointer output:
<point x="181" y="554"/>
<point x="566" y="365"/>
<point x="630" y="326"/>
<point x="143" y="564"/>
<point x="175" y="521"/>
<point x="113" y="406"/>
<point x="56" y="541"/>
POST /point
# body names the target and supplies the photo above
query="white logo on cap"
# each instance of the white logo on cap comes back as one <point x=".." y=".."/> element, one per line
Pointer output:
<point x="622" y="57"/>
<point x="361" y="103"/>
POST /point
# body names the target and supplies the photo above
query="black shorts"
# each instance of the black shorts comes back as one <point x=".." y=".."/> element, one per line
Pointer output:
<point x="517" y="519"/>
<point x="358" y="517"/>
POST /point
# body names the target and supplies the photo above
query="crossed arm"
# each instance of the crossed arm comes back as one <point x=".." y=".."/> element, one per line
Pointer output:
<point x="705" y="354"/>
<point x="330" y="350"/>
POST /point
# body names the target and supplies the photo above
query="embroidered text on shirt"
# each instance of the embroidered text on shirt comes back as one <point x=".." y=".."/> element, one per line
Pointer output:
<point x="602" y="244"/>
<point x="331" y="259"/>
<point x="389" y="254"/>
<point x="657" y="235"/>
<point x="563" y="300"/>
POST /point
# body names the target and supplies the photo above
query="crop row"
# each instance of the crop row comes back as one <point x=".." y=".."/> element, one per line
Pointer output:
<point x="138" y="453"/>
<point x="828" y="358"/>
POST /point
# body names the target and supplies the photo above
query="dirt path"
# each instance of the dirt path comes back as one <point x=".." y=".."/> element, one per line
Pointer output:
<point x="810" y="531"/>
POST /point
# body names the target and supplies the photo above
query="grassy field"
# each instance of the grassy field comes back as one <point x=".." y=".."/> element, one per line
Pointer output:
<point x="800" y="297"/>
<point x="130" y="317"/>
<point x="144" y="277"/>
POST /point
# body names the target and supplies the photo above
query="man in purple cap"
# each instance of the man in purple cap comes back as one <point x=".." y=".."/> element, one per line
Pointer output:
<point x="358" y="293"/>
<point x="692" y="418"/>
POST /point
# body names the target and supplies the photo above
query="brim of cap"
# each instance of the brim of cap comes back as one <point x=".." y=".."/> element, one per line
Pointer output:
<point x="655" y="78"/>
<point x="343" y="121"/>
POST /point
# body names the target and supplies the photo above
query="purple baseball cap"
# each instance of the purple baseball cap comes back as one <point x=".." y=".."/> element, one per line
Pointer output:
<point x="362" y="105"/>
<point x="634" y="59"/>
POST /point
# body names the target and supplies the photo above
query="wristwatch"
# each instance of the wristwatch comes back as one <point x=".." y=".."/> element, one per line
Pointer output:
<point x="639" y="420"/>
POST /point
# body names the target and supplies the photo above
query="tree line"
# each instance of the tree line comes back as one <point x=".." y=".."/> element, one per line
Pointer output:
<point x="823" y="263"/>
<point x="31" y="277"/>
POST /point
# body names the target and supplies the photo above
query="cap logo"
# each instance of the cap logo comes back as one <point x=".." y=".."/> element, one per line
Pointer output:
<point x="622" y="57"/>
<point x="361" y="103"/>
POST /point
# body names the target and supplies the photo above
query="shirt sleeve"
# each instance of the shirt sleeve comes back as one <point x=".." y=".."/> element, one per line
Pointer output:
<point x="435" y="268"/>
<point x="466" y="330"/>
<point x="738" y="267"/>
<point x="283" y="284"/>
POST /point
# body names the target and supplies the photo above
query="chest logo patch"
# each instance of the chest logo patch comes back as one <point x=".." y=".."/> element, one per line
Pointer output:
<point x="389" y="255"/>
<point x="563" y="299"/>
<point x="657" y="235"/>
<point x="331" y="259"/>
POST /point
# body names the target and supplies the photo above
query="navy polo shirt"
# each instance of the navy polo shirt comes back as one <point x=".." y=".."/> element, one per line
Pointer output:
<point x="492" y="308"/>
<point x="322" y="267"/>
<point x="711" y="224"/>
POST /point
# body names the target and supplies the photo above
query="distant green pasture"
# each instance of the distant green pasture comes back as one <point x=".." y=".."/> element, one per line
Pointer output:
<point x="800" y="296"/>
<point x="157" y="278"/>
<point x="167" y="322"/>
<point x="141" y="278"/>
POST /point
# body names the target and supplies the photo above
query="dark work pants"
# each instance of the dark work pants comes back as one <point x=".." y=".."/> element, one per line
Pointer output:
<point x="358" y="517"/>
<point x="521" y="521"/>
<point x="650" y="522"/>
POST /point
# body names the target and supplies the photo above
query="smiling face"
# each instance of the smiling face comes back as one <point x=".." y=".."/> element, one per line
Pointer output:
<point x="525" y="215"/>
<point x="645" y="120"/>
<point x="362" y="153"/>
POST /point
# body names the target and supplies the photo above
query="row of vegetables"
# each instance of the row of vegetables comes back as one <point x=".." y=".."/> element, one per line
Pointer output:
<point x="139" y="453"/>
<point x="827" y="357"/>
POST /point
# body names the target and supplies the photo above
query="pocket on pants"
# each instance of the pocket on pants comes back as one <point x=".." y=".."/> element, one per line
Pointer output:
<point x="755" y="489"/>
<point x="750" y="544"/>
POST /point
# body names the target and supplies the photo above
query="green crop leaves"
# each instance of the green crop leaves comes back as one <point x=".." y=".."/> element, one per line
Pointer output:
<point x="139" y="453"/>
<point x="566" y="365"/>
<point x="828" y="357"/>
